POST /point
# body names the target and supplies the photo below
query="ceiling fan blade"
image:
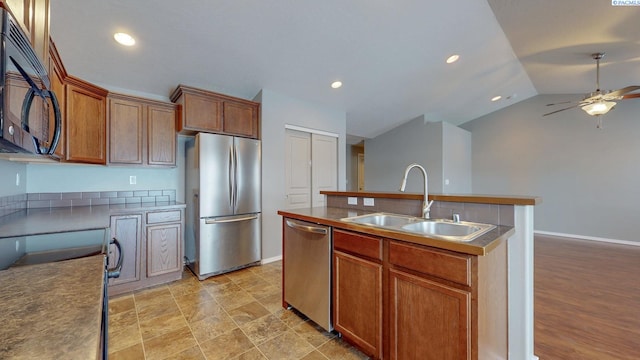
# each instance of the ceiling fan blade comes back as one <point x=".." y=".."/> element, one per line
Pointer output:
<point x="562" y="102"/>
<point x="567" y="108"/>
<point x="622" y="91"/>
<point x="630" y="96"/>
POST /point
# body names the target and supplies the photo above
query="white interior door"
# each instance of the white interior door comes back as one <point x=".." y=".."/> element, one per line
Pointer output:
<point x="298" y="169"/>
<point x="324" y="167"/>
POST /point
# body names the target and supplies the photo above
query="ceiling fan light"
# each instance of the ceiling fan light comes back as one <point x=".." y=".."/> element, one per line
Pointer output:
<point x="598" y="108"/>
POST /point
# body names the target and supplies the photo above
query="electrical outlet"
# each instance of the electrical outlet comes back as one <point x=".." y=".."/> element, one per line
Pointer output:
<point x="352" y="200"/>
<point x="132" y="180"/>
<point x="368" y="202"/>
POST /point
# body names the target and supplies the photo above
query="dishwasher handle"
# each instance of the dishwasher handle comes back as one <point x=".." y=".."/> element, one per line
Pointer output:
<point x="312" y="229"/>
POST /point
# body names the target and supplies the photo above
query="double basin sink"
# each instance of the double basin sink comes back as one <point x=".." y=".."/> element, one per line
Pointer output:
<point x="434" y="228"/>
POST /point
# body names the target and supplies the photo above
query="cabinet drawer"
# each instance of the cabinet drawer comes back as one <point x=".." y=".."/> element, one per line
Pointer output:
<point x="163" y="216"/>
<point x="443" y="264"/>
<point x="357" y="244"/>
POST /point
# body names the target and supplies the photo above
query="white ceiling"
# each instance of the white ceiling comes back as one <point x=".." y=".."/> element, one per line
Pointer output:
<point x="390" y="55"/>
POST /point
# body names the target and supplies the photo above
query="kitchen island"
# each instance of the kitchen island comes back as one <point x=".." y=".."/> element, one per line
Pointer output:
<point x="53" y="310"/>
<point x="399" y="265"/>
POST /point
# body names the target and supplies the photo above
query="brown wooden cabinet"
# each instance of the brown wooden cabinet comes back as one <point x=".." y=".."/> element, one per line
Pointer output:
<point x="428" y="320"/>
<point x="57" y="74"/>
<point x="163" y="249"/>
<point x="86" y="122"/>
<point x="357" y="290"/>
<point x="141" y="131"/>
<point x="398" y="300"/>
<point x="33" y="16"/>
<point x="206" y="111"/>
<point x="127" y="229"/>
<point x="153" y="246"/>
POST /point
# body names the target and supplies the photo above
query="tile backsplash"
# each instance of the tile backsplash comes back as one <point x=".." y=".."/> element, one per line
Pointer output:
<point x="474" y="212"/>
<point x="13" y="203"/>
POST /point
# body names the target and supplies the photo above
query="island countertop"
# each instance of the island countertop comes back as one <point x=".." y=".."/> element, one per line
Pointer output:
<point x="53" y="310"/>
<point x="469" y="198"/>
<point x="331" y="216"/>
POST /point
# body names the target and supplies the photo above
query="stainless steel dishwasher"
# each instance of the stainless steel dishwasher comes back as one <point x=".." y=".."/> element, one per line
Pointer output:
<point x="307" y="270"/>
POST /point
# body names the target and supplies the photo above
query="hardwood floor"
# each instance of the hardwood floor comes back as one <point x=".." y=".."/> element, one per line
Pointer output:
<point x="587" y="300"/>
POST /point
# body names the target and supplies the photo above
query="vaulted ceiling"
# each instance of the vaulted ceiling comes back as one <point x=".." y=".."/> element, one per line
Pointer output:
<point x="390" y="55"/>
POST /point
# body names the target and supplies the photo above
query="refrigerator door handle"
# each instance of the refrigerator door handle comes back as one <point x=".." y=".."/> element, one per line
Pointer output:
<point x="231" y="180"/>
<point x="217" y="221"/>
<point x="235" y="177"/>
<point x="306" y="228"/>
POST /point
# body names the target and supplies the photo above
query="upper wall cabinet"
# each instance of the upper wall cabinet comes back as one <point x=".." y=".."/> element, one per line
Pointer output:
<point x="206" y="111"/>
<point x="33" y="16"/>
<point x="141" y="131"/>
<point x="86" y="122"/>
<point x="57" y="74"/>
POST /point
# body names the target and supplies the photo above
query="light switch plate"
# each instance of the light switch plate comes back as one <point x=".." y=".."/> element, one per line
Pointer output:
<point x="368" y="202"/>
<point x="352" y="200"/>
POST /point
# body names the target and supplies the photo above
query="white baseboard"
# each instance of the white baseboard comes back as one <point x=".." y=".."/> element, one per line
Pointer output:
<point x="590" y="238"/>
<point x="271" y="259"/>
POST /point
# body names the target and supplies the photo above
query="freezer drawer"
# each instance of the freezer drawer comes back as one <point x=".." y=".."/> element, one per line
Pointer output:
<point x="226" y="243"/>
<point x="307" y="270"/>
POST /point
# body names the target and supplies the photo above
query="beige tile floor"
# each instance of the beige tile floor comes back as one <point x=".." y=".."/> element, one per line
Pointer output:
<point x="238" y="315"/>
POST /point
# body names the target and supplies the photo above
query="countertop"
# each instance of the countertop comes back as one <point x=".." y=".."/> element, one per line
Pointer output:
<point x="331" y="216"/>
<point x="52" y="311"/>
<point x="66" y="219"/>
<point x="467" y="198"/>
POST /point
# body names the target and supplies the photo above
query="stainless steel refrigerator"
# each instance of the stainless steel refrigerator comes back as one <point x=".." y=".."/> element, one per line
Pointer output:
<point x="223" y="184"/>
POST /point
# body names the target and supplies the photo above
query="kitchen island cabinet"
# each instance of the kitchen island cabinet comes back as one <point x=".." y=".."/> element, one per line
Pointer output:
<point x="439" y="304"/>
<point x="403" y="296"/>
<point x="357" y="290"/>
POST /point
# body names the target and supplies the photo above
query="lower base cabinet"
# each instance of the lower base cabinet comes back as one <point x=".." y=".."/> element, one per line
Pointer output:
<point x="163" y="245"/>
<point x="402" y="301"/>
<point x="152" y="256"/>
<point x="429" y="320"/>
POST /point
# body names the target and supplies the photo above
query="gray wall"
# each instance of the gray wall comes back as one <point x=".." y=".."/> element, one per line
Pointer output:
<point x="73" y="177"/>
<point x="352" y="166"/>
<point x="8" y="171"/>
<point x="444" y="150"/>
<point x="587" y="177"/>
<point x="277" y="111"/>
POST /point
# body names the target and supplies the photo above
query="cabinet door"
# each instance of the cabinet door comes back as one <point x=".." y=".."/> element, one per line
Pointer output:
<point x="86" y="128"/>
<point x="240" y="119"/>
<point x="428" y="320"/>
<point x="57" y="75"/>
<point x="163" y="249"/>
<point x="161" y="133"/>
<point x="125" y="131"/>
<point x="202" y="113"/>
<point x="358" y="301"/>
<point x="127" y="229"/>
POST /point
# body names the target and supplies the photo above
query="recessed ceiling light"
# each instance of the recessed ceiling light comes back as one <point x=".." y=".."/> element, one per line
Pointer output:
<point x="496" y="98"/>
<point x="336" y="84"/>
<point x="124" y="39"/>
<point x="453" y="58"/>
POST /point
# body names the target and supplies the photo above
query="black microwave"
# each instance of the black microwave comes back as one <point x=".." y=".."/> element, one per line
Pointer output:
<point x="29" y="111"/>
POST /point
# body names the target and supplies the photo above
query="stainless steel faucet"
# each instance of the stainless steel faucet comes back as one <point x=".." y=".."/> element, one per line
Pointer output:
<point x="426" y="204"/>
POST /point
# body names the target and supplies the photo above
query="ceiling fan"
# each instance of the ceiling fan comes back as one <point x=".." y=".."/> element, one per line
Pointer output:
<point x="600" y="102"/>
